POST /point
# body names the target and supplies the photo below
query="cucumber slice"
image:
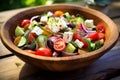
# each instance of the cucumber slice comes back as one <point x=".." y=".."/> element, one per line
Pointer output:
<point x="41" y="40"/>
<point x="22" y="41"/>
<point x="74" y="44"/>
<point x="91" y="45"/>
<point x="19" y="31"/>
<point x="70" y="48"/>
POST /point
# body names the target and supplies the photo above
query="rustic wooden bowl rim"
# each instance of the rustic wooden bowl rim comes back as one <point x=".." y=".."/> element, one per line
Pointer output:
<point x="83" y="57"/>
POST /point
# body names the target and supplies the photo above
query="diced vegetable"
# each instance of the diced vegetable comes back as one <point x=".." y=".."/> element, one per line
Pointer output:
<point x="67" y="36"/>
<point x="70" y="48"/>
<point x="19" y="31"/>
<point x="100" y="28"/>
<point x="22" y="41"/>
<point x="44" y="52"/>
<point x="41" y="40"/>
<point x="17" y="40"/>
<point x="79" y="43"/>
<point x="92" y="46"/>
<point x="58" y="13"/>
<point x="89" y="23"/>
<point x="93" y="36"/>
<point x="101" y="35"/>
<point x="59" y="44"/>
<point x="37" y="30"/>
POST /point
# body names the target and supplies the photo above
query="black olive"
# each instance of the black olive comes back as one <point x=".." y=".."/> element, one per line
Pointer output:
<point x="50" y="44"/>
<point x="71" y="25"/>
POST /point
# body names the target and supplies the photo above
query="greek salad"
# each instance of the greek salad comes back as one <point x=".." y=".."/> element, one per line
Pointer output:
<point x="58" y="34"/>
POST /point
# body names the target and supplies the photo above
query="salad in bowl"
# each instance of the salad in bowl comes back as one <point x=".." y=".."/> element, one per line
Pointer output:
<point x="59" y="34"/>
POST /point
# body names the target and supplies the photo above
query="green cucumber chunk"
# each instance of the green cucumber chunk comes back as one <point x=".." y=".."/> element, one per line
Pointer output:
<point x="19" y="31"/>
<point x="41" y="40"/>
<point x="22" y="41"/>
<point x="99" y="43"/>
<point x="92" y="47"/>
<point x="70" y="48"/>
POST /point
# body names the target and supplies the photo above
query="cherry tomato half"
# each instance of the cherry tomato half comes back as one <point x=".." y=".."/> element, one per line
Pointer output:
<point x="25" y="23"/>
<point x="44" y="52"/>
<point x="59" y="45"/>
<point x="93" y="36"/>
<point x="100" y="28"/>
<point x="58" y="13"/>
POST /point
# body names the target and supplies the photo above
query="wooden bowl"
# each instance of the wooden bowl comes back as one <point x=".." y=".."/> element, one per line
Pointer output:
<point x="60" y="63"/>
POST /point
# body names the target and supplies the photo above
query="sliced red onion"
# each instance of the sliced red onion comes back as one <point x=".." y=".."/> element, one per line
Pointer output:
<point x="34" y="17"/>
<point x="85" y="30"/>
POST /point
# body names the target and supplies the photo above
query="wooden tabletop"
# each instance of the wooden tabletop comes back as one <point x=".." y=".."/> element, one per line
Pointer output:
<point x="105" y="68"/>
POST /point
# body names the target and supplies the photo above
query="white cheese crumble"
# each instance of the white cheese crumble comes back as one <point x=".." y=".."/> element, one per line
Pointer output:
<point x="62" y="23"/>
<point x="37" y="30"/>
<point x="67" y="36"/>
<point x="55" y="28"/>
<point x="89" y="23"/>
<point x="49" y="13"/>
<point x="44" y="18"/>
<point x="79" y="43"/>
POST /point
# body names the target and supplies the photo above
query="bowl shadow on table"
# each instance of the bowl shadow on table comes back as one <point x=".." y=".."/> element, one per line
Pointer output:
<point x="29" y="72"/>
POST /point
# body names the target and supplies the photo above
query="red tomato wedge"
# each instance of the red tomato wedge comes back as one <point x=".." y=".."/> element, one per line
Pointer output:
<point x="31" y="37"/>
<point x="79" y="26"/>
<point x="59" y="45"/>
<point x="85" y="43"/>
<point x="77" y="35"/>
<point x="101" y="35"/>
<point x="100" y="28"/>
<point x="44" y="52"/>
<point x="93" y="36"/>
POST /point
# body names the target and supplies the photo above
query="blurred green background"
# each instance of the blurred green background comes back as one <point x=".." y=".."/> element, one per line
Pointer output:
<point x="14" y="4"/>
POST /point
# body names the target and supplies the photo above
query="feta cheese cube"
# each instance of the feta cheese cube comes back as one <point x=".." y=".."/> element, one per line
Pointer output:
<point x="89" y="23"/>
<point x="55" y="28"/>
<point x="49" y="13"/>
<point x="44" y="18"/>
<point x="67" y="36"/>
<point x="37" y="30"/>
<point x="62" y="24"/>
<point x="79" y="43"/>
